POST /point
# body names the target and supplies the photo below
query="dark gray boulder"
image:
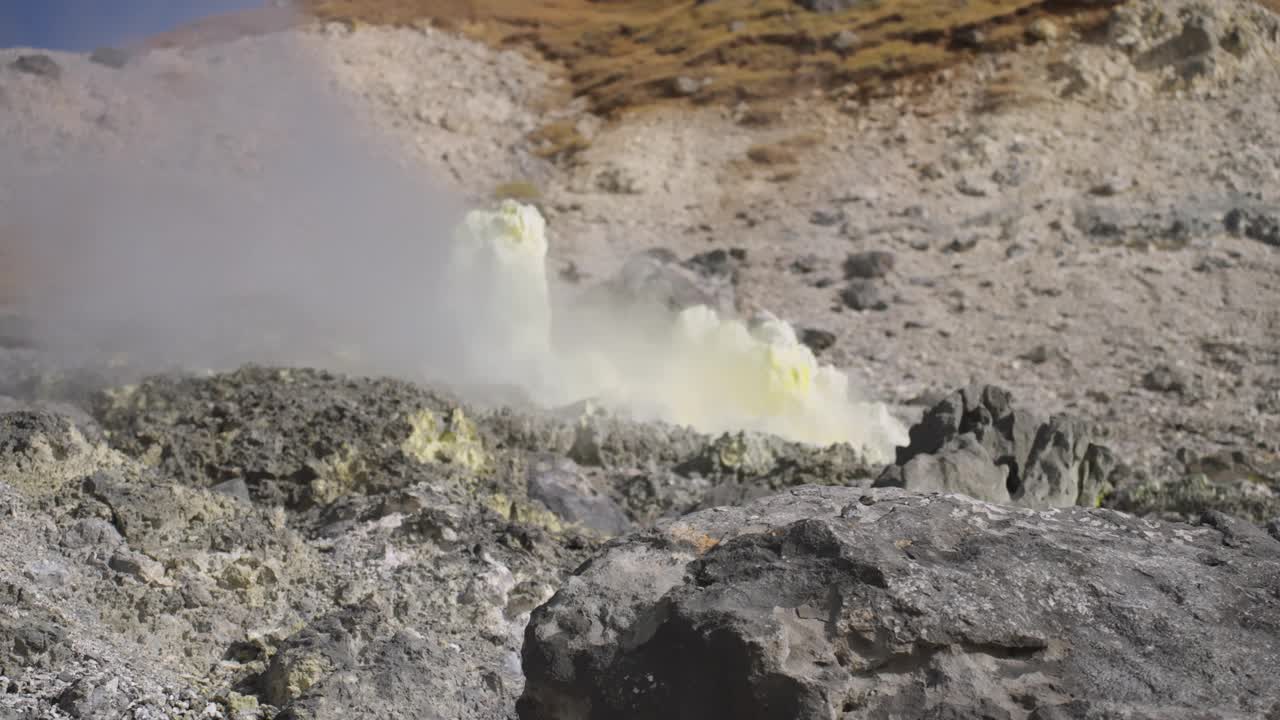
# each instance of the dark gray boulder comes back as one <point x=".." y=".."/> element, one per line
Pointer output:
<point x="864" y="294"/>
<point x="976" y="442"/>
<point x="1256" y="224"/>
<point x="847" y="603"/>
<point x="1190" y="53"/>
<point x="1163" y="228"/>
<point x="560" y="485"/>
<point x="817" y="339"/>
<point x="38" y="64"/>
<point x="92" y="697"/>
<point x="965" y="467"/>
<point x="869" y="264"/>
<point x="656" y="281"/>
<point x="719" y="267"/>
<point x="831" y="6"/>
<point x="111" y="57"/>
<point x="1166" y="379"/>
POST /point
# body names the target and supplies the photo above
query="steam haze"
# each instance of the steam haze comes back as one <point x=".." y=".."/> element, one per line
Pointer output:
<point x="220" y="212"/>
<point x="206" y="208"/>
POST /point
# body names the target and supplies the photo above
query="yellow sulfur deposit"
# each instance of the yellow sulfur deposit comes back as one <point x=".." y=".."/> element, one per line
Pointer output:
<point x="458" y="442"/>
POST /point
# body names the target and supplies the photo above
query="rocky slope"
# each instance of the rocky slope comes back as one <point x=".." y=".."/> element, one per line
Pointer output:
<point x="842" y="603"/>
<point x="292" y="543"/>
<point x="1059" y="265"/>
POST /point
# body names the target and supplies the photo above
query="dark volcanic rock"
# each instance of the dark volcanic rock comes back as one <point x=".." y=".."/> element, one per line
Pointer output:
<point x="806" y="264"/>
<point x="657" y="280"/>
<point x="827" y="218"/>
<point x="398" y="573"/>
<point x="560" y="485"/>
<point x="38" y="64"/>
<point x="96" y="697"/>
<point x="817" y="340"/>
<point x="296" y="438"/>
<point x="830" y="6"/>
<point x="1173" y="228"/>
<point x="720" y="265"/>
<point x="844" y="603"/>
<point x="863" y="294"/>
<point x="349" y="665"/>
<point x="1231" y="482"/>
<point x="977" y="443"/>
<point x="31" y="640"/>
<point x="24" y="430"/>
<point x="870" y="264"/>
<point x="111" y="57"/>
<point x="1254" y="224"/>
<point x="1190" y="52"/>
<point x="1165" y="378"/>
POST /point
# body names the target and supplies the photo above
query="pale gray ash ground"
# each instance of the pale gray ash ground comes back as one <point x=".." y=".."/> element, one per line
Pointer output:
<point x="1060" y="269"/>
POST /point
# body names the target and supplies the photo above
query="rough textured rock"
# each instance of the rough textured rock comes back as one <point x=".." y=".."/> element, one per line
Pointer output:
<point x="336" y="587"/>
<point x="658" y="280"/>
<point x="976" y="442"/>
<point x="1258" y="225"/>
<point x="864" y="294"/>
<point x="1239" y="483"/>
<point x="870" y="264"/>
<point x="111" y="57"/>
<point x="92" y="697"/>
<point x="38" y="64"/>
<point x="841" y="603"/>
<point x="296" y="439"/>
<point x="1189" y="53"/>
<point x="296" y="543"/>
<point x="1172" y="228"/>
<point x="829" y="6"/>
<point x="817" y="339"/>
<point x="1164" y="378"/>
<point x="112" y="562"/>
<point x="324" y="671"/>
<point x="559" y="484"/>
<point x="720" y="268"/>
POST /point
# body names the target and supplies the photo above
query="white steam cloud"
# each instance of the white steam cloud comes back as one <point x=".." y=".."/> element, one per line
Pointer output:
<point x="190" y="214"/>
<point x="208" y="216"/>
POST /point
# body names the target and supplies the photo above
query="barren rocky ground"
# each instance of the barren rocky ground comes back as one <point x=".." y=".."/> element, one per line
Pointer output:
<point x="1056" y="258"/>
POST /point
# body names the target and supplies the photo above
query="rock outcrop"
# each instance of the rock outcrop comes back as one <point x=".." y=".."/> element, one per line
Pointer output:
<point x="976" y="442"/>
<point x="300" y="544"/>
<point x="844" y="603"/>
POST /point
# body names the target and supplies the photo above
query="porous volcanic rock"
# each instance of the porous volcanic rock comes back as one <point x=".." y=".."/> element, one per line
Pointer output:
<point x="845" y="603"/>
<point x="976" y="442"/>
<point x="1239" y="483"/>
<point x="656" y="280"/>
<point x="296" y="543"/>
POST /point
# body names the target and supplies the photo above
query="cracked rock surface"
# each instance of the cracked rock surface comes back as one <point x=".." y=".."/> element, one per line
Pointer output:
<point x="847" y="603"/>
